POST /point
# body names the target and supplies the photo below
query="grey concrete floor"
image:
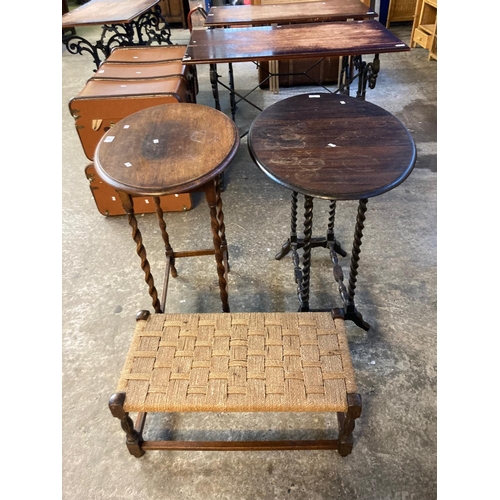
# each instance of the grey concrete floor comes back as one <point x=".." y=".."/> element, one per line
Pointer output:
<point x="394" y="455"/>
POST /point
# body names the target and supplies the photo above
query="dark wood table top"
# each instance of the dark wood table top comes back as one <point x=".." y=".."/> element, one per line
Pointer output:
<point x="332" y="146"/>
<point x="267" y="43"/>
<point x="106" y="12"/>
<point x="300" y="12"/>
<point x="166" y="149"/>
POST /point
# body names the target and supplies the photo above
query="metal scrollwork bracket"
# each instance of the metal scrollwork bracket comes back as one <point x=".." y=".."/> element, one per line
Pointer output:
<point x="368" y="73"/>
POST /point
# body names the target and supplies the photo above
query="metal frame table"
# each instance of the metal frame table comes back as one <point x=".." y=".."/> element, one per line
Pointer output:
<point x="336" y="148"/>
<point x="124" y="23"/>
<point x="300" y="12"/>
<point x="275" y="14"/>
<point x="271" y="43"/>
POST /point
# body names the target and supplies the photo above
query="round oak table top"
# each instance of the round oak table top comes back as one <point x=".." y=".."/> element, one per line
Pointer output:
<point x="332" y="146"/>
<point x="166" y="149"/>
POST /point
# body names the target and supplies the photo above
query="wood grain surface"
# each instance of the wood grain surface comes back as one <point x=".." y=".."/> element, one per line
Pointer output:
<point x="264" y="43"/>
<point x="167" y="149"/>
<point x="300" y="12"/>
<point x="106" y="12"/>
<point x="331" y="146"/>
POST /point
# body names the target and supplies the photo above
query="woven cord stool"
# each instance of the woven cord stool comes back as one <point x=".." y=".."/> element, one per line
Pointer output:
<point x="237" y="362"/>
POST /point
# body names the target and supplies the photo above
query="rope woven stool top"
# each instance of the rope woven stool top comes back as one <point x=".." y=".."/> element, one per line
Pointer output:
<point x="238" y="362"/>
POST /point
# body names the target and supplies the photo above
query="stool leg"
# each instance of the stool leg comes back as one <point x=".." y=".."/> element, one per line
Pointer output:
<point x="211" y="196"/>
<point x="128" y="206"/>
<point x="347" y="422"/>
<point x="134" y="439"/>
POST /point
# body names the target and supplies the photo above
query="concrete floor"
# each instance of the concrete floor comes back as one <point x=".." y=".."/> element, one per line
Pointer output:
<point x="394" y="455"/>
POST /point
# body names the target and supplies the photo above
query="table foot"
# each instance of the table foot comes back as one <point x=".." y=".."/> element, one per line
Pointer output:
<point x="315" y="242"/>
<point x="352" y="314"/>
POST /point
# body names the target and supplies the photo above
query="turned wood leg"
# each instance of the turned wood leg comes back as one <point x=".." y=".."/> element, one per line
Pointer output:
<point x="211" y="196"/>
<point x="134" y="439"/>
<point x="293" y="229"/>
<point x="347" y="422"/>
<point x="220" y="217"/>
<point x="306" y="257"/>
<point x="128" y="206"/>
<point x="356" y="248"/>
<point x="330" y="234"/>
<point x="169" y="252"/>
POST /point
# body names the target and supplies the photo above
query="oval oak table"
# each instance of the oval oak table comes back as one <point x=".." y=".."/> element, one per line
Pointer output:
<point x="335" y="148"/>
<point x="171" y="149"/>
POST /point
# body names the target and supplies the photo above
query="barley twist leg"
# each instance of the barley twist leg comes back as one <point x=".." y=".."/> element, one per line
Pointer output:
<point x="220" y="217"/>
<point x="128" y="206"/>
<point x="356" y="249"/>
<point x="306" y="257"/>
<point x="211" y="196"/>
<point x="169" y="252"/>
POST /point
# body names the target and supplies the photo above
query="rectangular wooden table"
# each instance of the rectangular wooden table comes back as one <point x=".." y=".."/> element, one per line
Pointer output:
<point x="262" y="43"/>
<point x="106" y="12"/>
<point x="130" y="22"/>
<point x="267" y="43"/>
<point x="300" y="12"/>
<point x="293" y="13"/>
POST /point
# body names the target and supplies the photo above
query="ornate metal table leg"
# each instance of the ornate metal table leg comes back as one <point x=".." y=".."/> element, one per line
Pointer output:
<point x="351" y="312"/>
<point x="214" y="78"/>
<point x="232" y="98"/>
<point x="211" y="196"/>
<point x="306" y="257"/>
<point x="78" y="45"/>
<point x="128" y="206"/>
<point x="345" y="76"/>
<point x="367" y="74"/>
<point x="152" y="27"/>
<point x="293" y="229"/>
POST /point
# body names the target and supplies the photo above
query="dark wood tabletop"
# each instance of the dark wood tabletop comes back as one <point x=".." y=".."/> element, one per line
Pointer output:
<point x="300" y="12"/>
<point x="265" y="43"/>
<point x="332" y="146"/>
<point x="167" y="149"/>
<point x="106" y="12"/>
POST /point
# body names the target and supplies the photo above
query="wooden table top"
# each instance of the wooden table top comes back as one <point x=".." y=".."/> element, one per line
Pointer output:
<point x="301" y="12"/>
<point x="267" y="43"/>
<point x="166" y="149"/>
<point x="106" y="12"/>
<point x="331" y="146"/>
